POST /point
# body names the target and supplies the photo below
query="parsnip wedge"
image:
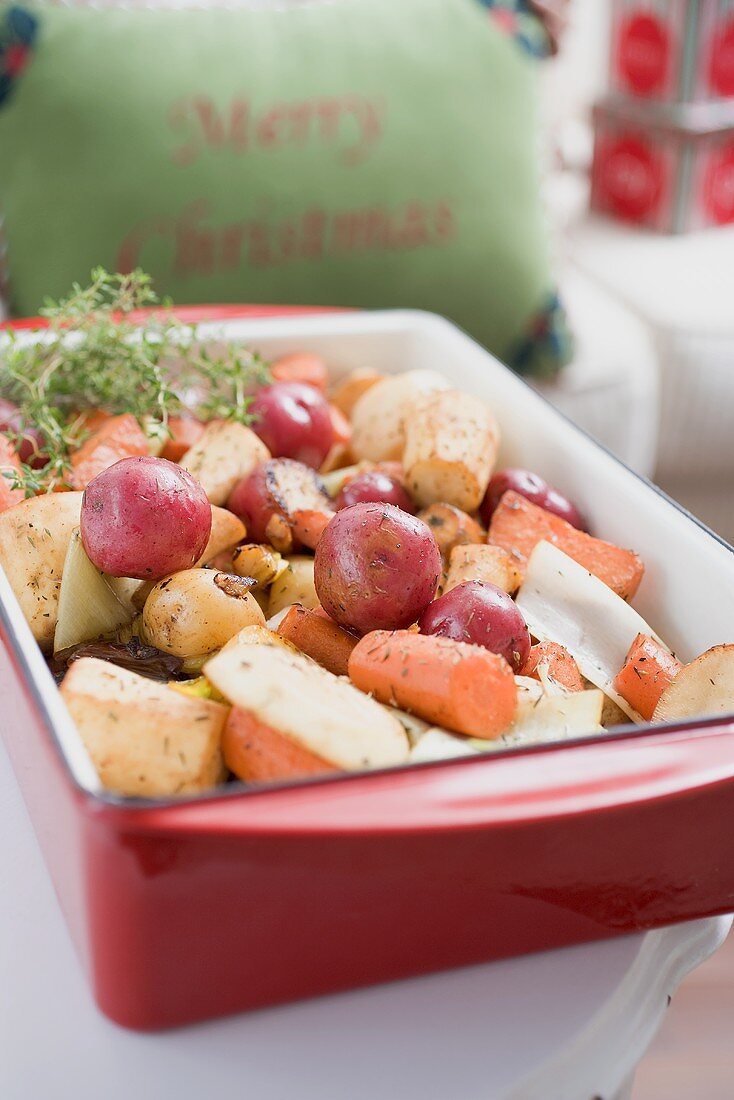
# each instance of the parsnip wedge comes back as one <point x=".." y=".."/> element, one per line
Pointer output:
<point x="451" y="442"/>
<point x="88" y="606"/>
<point x="562" y="602"/>
<point x="378" y="433"/>
<point x="702" y="689"/>
<point x="323" y="714"/>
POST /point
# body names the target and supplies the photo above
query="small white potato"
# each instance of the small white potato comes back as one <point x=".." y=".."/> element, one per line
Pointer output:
<point x="143" y="738"/>
<point x="259" y="561"/>
<point x="377" y="417"/>
<point x="197" y="610"/>
<point x="34" y="538"/>
<point x="224" y="454"/>
<point x="294" y="585"/>
<point x="227" y="531"/>
<point x="481" y="562"/>
<point x="451" y="443"/>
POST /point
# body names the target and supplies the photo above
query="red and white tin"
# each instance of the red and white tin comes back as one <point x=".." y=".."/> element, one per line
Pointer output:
<point x="192" y="908"/>
<point x="671" y="172"/>
<point x="672" y="50"/>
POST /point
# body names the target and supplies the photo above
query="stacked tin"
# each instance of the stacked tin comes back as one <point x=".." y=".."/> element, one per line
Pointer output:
<point x="664" y="136"/>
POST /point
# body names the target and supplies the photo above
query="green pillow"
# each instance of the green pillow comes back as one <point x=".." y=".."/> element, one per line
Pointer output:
<point x="361" y="152"/>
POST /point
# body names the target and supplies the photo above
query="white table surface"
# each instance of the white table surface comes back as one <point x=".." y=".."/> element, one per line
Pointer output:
<point x="558" y="1026"/>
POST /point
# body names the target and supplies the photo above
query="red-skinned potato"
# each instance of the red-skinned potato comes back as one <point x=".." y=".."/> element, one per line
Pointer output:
<point x="270" y="497"/>
<point x="144" y="518"/>
<point x="376" y="567"/>
<point x="293" y="421"/>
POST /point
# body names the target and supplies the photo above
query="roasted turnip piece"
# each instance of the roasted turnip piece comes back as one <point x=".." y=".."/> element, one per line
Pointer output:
<point x="268" y="499"/>
<point x="378" y="417"/>
<point x="480" y="562"/>
<point x="224" y="454"/>
<point x="451" y="442"/>
<point x="144" y="739"/>
<point x="702" y="689"/>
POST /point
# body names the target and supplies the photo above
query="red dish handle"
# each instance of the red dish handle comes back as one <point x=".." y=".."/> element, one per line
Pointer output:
<point x="194" y="315"/>
<point x="612" y="773"/>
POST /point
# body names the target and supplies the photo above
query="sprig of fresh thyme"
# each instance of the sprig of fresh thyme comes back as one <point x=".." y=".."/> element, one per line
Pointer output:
<point x="95" y="356"/>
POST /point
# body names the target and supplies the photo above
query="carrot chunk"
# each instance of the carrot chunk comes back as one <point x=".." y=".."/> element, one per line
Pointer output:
<point x="185" y="431"/>
<point x="518" y="526"/>
<point x="308" y="524"/>
<point x="301" y="367"/>
<point x="118" y="437"/>
<point x="254" y="750"/>
<point x="557" y="661"/>
<point x="319" y="637"/>
<point x="463" y="687"/>
<point x="647" y="671"/>
<point x="8" y="461"/>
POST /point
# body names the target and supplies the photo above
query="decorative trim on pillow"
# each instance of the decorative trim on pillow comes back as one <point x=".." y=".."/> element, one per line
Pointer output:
<point x="548" y="345"/>
<point x="18" y="29"/>
<point x="517" y="19"/>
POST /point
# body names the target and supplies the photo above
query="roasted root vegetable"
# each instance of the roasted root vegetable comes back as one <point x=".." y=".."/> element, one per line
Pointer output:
<point x="518" y="526"/>
<point x="227" y="530"/>
<point x="552" y="661"/>
<point x="376" y="567"/>
<point x="34" y="538"/>
<point x="378" y="417"/>
<point x="88" y="605"/>
<point x="256" y="752"/>
<point x="319" y="637"/>
<point x="184" y="432"/>
<point x="269" y="498"/>
<point x="480" y="614"/>
<point x="295" y="584"/>
<point x="461" y="687"/>
<point x="293" y="421"/>
<point x="648" y="670"/>
<point x="533" y="488"/>
<point x="451" y="527"/>
<point x="143" y="518"/>
<point x="340" y="454"/>
<point x="355" y="385"/>
<point x="258" y="635"/>
<point x="325" y="716"/>
<point x="143" y="738"/>
<point x="563" y="602"/>
<point x="451" y="442"/>
<point x="224" y="454"/>
<point x="197" y="610"/>
<point x="258" y="561"/>
<point x="116" y="438"/>
<point x="301" y="366"/>
<point x="703" y="688"/>
<point x="481" y="562"/>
